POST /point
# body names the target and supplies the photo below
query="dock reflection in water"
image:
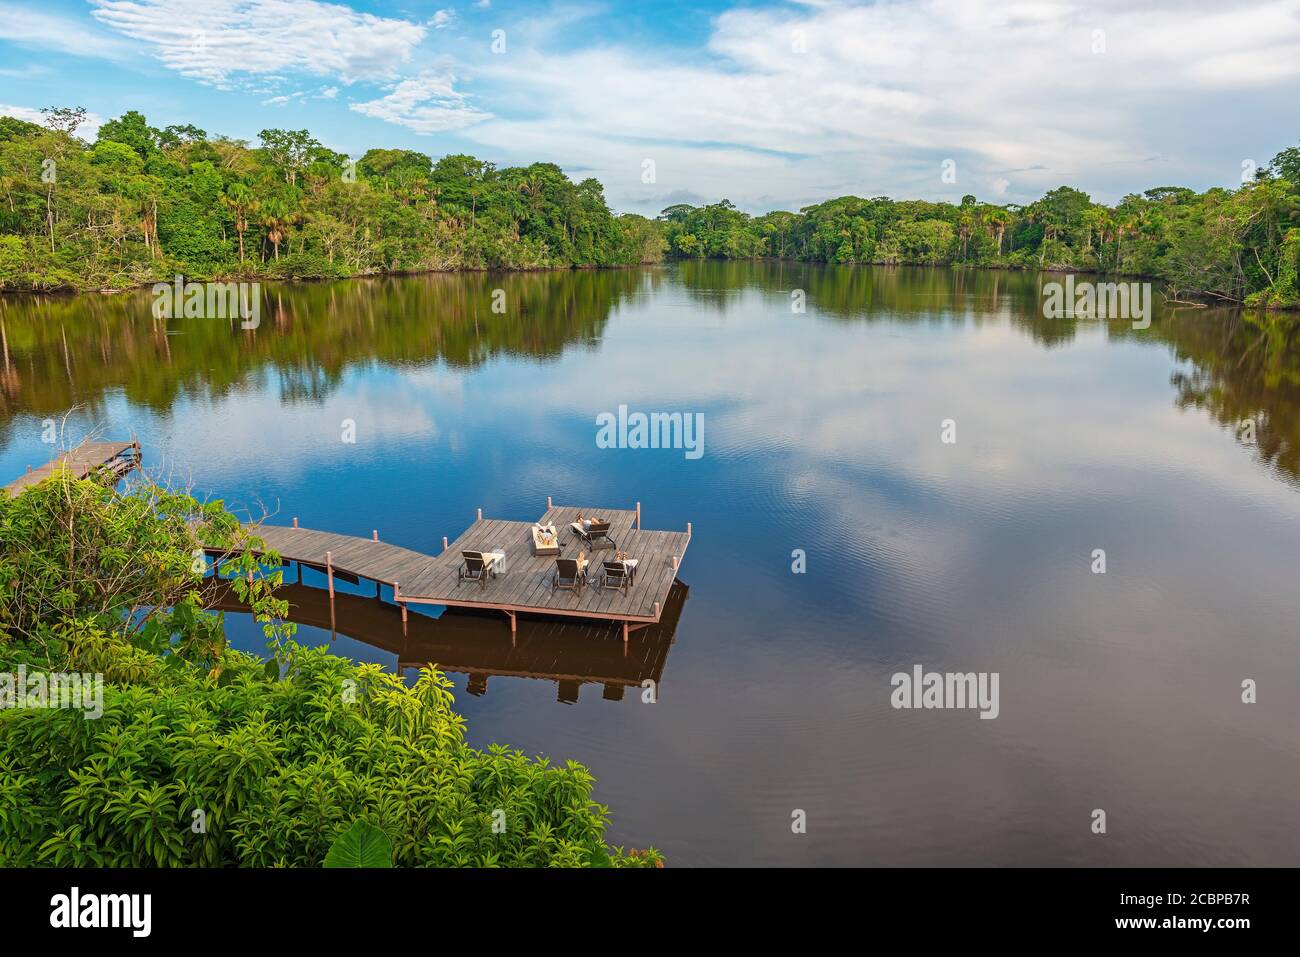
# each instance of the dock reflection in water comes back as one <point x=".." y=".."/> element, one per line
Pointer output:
<point x="569" y="652"/>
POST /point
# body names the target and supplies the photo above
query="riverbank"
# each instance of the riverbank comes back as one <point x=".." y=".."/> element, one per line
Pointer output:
<point x="1204" y="302"/>
<point x="257" y="277"/>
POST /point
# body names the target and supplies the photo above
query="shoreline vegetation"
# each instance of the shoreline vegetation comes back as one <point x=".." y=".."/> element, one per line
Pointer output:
<point x="198" y="755"/>
<point x="141" y="205"/>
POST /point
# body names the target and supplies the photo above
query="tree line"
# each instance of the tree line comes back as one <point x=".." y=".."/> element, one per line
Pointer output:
<point x="1226" y="245"/>
<point x="142" y="204"/>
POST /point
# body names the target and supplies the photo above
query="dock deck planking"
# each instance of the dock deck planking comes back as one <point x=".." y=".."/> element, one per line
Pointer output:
<point x="524" y="585"/>
<point x="376" y="561"/>
<point x="81" y="462"/>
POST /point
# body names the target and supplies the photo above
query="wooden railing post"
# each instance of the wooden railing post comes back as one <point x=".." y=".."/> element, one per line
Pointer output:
<point x="329" y="573"/>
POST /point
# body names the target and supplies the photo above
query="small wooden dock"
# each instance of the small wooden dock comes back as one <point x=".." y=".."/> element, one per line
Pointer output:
<point x="522" y="586"/>
<point x="88" y="457"/>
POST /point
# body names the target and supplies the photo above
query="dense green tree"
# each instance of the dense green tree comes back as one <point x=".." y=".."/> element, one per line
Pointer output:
<point x="142" y="205"/>
<point x="132" y="129"/>
<point x="1286" y="165"/>
<point x="1220" y="245"/>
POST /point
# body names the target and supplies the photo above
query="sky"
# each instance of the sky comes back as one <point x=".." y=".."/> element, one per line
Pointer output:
<point x="772" y="105"/>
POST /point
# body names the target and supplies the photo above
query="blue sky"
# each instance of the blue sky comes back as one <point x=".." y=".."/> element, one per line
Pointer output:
<point x="769" y="104"/>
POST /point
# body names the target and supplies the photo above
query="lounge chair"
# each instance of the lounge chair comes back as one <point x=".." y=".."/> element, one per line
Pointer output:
<point x="595" y="534"/>
<point x="477" y="567"/>
<point x="567" y="575"/>
<point x="615" y="575"/>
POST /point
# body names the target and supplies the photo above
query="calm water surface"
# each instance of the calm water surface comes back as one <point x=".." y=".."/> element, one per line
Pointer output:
<point x="822" y="433"/>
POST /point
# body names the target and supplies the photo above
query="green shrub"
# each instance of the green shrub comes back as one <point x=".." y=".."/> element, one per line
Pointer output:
<point x="205" y="756"/>
<point x="186" y="770"/>
<point x="306" y="265"/>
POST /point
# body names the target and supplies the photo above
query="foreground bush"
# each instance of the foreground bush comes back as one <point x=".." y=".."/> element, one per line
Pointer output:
<point x="205" y="756"/>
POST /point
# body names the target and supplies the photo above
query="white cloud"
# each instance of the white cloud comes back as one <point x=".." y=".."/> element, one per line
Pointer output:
<point x="25" y="72"/>
<point x="22" y="113"/>
<point x="283" y="100"/>
<point x="880" y="95"/>
<point x="426" y="104"/>
<point x="215" y="41"/>
<point x="49" y="31"/>
<point x="88" y="130"/>
<point x="884" y="92"/>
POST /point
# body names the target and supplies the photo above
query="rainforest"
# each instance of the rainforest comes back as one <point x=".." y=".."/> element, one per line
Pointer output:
<point x="141" y="204"/>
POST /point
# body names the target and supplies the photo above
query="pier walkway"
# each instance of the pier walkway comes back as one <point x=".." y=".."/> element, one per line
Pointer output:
<point x="118" y="457"/>
<point x="522" y="585"/>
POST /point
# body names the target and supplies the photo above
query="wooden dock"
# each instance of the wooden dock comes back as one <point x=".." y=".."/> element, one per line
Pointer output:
<point x="522" y="586"/>
<point x="88" y="457"/>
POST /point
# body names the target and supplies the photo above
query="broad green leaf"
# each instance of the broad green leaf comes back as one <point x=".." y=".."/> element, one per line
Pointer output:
<point x="361" y="845"/>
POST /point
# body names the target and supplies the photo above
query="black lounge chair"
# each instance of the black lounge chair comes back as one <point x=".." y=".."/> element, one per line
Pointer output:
<point x="615" y="575"/>
<point x="476" y="568"/>
<point x="566" y="575"/>
<point x="596" y="535"/>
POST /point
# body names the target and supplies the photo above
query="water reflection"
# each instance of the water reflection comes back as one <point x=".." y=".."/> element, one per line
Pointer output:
<point x="60" y="352"/>
<point x="479" y="644"/>
<point x="1118" y="690"/>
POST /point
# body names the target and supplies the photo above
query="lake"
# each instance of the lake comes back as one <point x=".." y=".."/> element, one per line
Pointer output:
<point x="837" y="538"/>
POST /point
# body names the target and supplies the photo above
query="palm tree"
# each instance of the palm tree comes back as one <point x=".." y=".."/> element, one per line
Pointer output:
<point x="239" y="200"/>
<point x="999" y="219"/>
<point x="1127" y="223"/>
<point x="7" y="183"/>
<point x="143" y="193"/>
<point x="277" y="218"/>
<point x="1094" y="223"/>
<point x="965" y="222"/>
